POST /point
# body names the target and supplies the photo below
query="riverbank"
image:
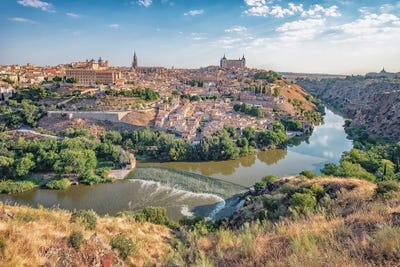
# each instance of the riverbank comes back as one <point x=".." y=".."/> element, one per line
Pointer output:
<point x="123" y="173"/>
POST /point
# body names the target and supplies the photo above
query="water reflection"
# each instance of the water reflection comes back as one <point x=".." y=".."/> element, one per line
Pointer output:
<point x="326" y="144"/>
<point x="271" y="156"/>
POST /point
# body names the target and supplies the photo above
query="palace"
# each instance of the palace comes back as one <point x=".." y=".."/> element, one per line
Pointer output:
<point x="91" y="72"/>
<point x="232" y="63"/>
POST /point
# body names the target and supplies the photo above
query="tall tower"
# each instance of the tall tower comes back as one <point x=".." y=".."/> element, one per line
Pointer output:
<point x="243" y="62"/>
<point x="223" y="63"/>
<point x="134" y="62"/>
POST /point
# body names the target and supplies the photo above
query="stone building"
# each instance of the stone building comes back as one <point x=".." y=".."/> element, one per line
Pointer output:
<point x="233" y="63"/>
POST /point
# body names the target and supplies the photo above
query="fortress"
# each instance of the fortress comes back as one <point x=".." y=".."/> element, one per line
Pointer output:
<point x="232" y="63"/>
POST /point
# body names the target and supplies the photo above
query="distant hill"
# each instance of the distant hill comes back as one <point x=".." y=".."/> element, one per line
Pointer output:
<point x="316" y="76"/>
<point x="370" y="102"/>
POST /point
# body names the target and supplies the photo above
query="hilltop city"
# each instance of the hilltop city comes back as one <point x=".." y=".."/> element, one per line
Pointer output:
<point x="190" y="103"/>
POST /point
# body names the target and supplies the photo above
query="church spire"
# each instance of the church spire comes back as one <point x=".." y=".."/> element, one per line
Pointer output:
<point x="135" y="61"/>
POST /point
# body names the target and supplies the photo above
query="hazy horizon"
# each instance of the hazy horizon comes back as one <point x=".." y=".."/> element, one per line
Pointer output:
<point x="330" y="36"/>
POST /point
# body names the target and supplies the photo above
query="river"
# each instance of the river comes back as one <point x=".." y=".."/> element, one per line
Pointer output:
<point x="184" y="193"/>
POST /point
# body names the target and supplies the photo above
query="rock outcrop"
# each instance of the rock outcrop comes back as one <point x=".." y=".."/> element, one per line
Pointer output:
<point x="373" y="103"/>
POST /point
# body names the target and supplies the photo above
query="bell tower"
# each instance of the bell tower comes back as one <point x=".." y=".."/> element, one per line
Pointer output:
<point x="135" y="61"/>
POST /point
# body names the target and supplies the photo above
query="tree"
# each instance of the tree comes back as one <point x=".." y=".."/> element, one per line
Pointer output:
<point x="249" y="133"/>
<point x="277" y="91"/>
<point x="24" y="165"/>
<point x="76" y="161"/>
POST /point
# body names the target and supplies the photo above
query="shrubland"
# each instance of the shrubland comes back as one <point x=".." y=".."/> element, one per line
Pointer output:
<point x="295" y="221"/>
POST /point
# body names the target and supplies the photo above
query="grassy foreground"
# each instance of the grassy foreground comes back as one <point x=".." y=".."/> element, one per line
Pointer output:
<point x="288" y="222"/>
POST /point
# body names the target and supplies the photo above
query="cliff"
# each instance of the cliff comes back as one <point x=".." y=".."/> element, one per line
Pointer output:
<point x="370" y="102"/>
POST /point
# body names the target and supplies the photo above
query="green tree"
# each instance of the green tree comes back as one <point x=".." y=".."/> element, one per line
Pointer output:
<point x="24" y="165"/>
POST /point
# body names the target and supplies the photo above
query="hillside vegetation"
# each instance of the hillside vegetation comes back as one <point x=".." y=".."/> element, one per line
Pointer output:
<point x="287" y="222"/>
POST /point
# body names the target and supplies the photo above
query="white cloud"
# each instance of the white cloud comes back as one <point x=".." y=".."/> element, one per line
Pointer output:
<point x="22" y="20"/>
<point x="301" y="29"/>
<point x="236" y="29"/>
<point x="45" y="6"/>
<point x="371" y="24"/>
<point x="72" y="15"/>
<point x="113" y="26"/>
<point x="255" y="2"/>
<point x="194" y="12"/>
<point x="318" y="10"/>
<point x="261" y="8"/>
<point x="198" y="36"/>
<point x="279" y="12"/>
<point x="145" y="3"/>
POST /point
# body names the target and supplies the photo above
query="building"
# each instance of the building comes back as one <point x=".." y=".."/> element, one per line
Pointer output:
<point x="91" y="72"/>
<point x="91" y="64"/>
<point x="383" y="74"/>
<point x="135" y="61"/>
<point x="145" y="70"/>
<point x="232" y="63"/>
<point x="88" y="77"/>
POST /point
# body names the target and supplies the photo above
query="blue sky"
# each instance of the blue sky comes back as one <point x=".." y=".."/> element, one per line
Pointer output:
<point x="331" y="36"/>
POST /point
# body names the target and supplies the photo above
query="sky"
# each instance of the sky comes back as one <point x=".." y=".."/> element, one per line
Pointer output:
<point x="330" y="36"/>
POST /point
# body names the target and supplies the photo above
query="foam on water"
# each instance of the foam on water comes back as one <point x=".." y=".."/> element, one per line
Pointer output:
<point x="156" y="193"/>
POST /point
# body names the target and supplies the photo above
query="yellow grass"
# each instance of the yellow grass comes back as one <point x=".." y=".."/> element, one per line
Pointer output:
<point x="38" y="237"/>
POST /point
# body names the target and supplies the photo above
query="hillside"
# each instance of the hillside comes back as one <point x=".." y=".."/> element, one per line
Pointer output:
<point x="373" y="103"/>
<point x="289" y="222"/>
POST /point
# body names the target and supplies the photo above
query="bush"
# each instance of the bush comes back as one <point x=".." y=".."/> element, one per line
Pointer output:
<point x="86" y="217"/>
<point x="123" y="244"/>
<point x="11" y="187"/>
<point x="309" y="174"/>
<point x="197" y="224"/>
<point x="91" y="179"/>
<point x="2" y="243"/>
<point x="26" y="216"/>
<point x="303" y="202"/>
<point x="76" y="239"/>
<point x="318" y="191"/>
<point x="266" y="179"/>
<point x="156" y="215"/>
<point x="386" y="187"/>
<point x="58" y="184"/>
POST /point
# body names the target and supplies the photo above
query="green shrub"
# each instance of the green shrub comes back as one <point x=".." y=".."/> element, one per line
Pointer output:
<point x="86" y="217"/>
<point x="76" y="239"/>
<point x="197" y="224"/>
<point x="58" y="184"/>
<point x="289" y="189"/>
<point x="91" y="179"/>
<point x="303" y="202"/>
<point x="386" y="187"/>
<point x="266" y="179"/>
<point x="26" y="216"/>
<point x="318" y="191"/>
<point x="103" y="172"/>
<point x="11" y="187"/>
<point x="309" y="174"/>
<point x="156" y="215"/>
<point x="123" y="244"/>
<point x="3" y="244"/>
<point x="270" y="178"/>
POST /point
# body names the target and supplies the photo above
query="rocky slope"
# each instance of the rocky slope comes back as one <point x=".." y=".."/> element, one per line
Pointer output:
<point x="374" y="103"/>
<point x="288" y="222"/>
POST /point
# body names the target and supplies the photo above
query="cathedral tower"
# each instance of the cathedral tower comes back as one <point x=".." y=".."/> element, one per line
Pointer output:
<point x="135" y="61"/>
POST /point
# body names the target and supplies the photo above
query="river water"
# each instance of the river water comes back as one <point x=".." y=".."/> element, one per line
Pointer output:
<point x="173" y="186"/>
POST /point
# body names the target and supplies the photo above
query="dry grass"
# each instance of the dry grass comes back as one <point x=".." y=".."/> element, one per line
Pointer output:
<point x="140" y="118"/>
<point x="39" y="237"/>
<point x="361" y="234"/>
